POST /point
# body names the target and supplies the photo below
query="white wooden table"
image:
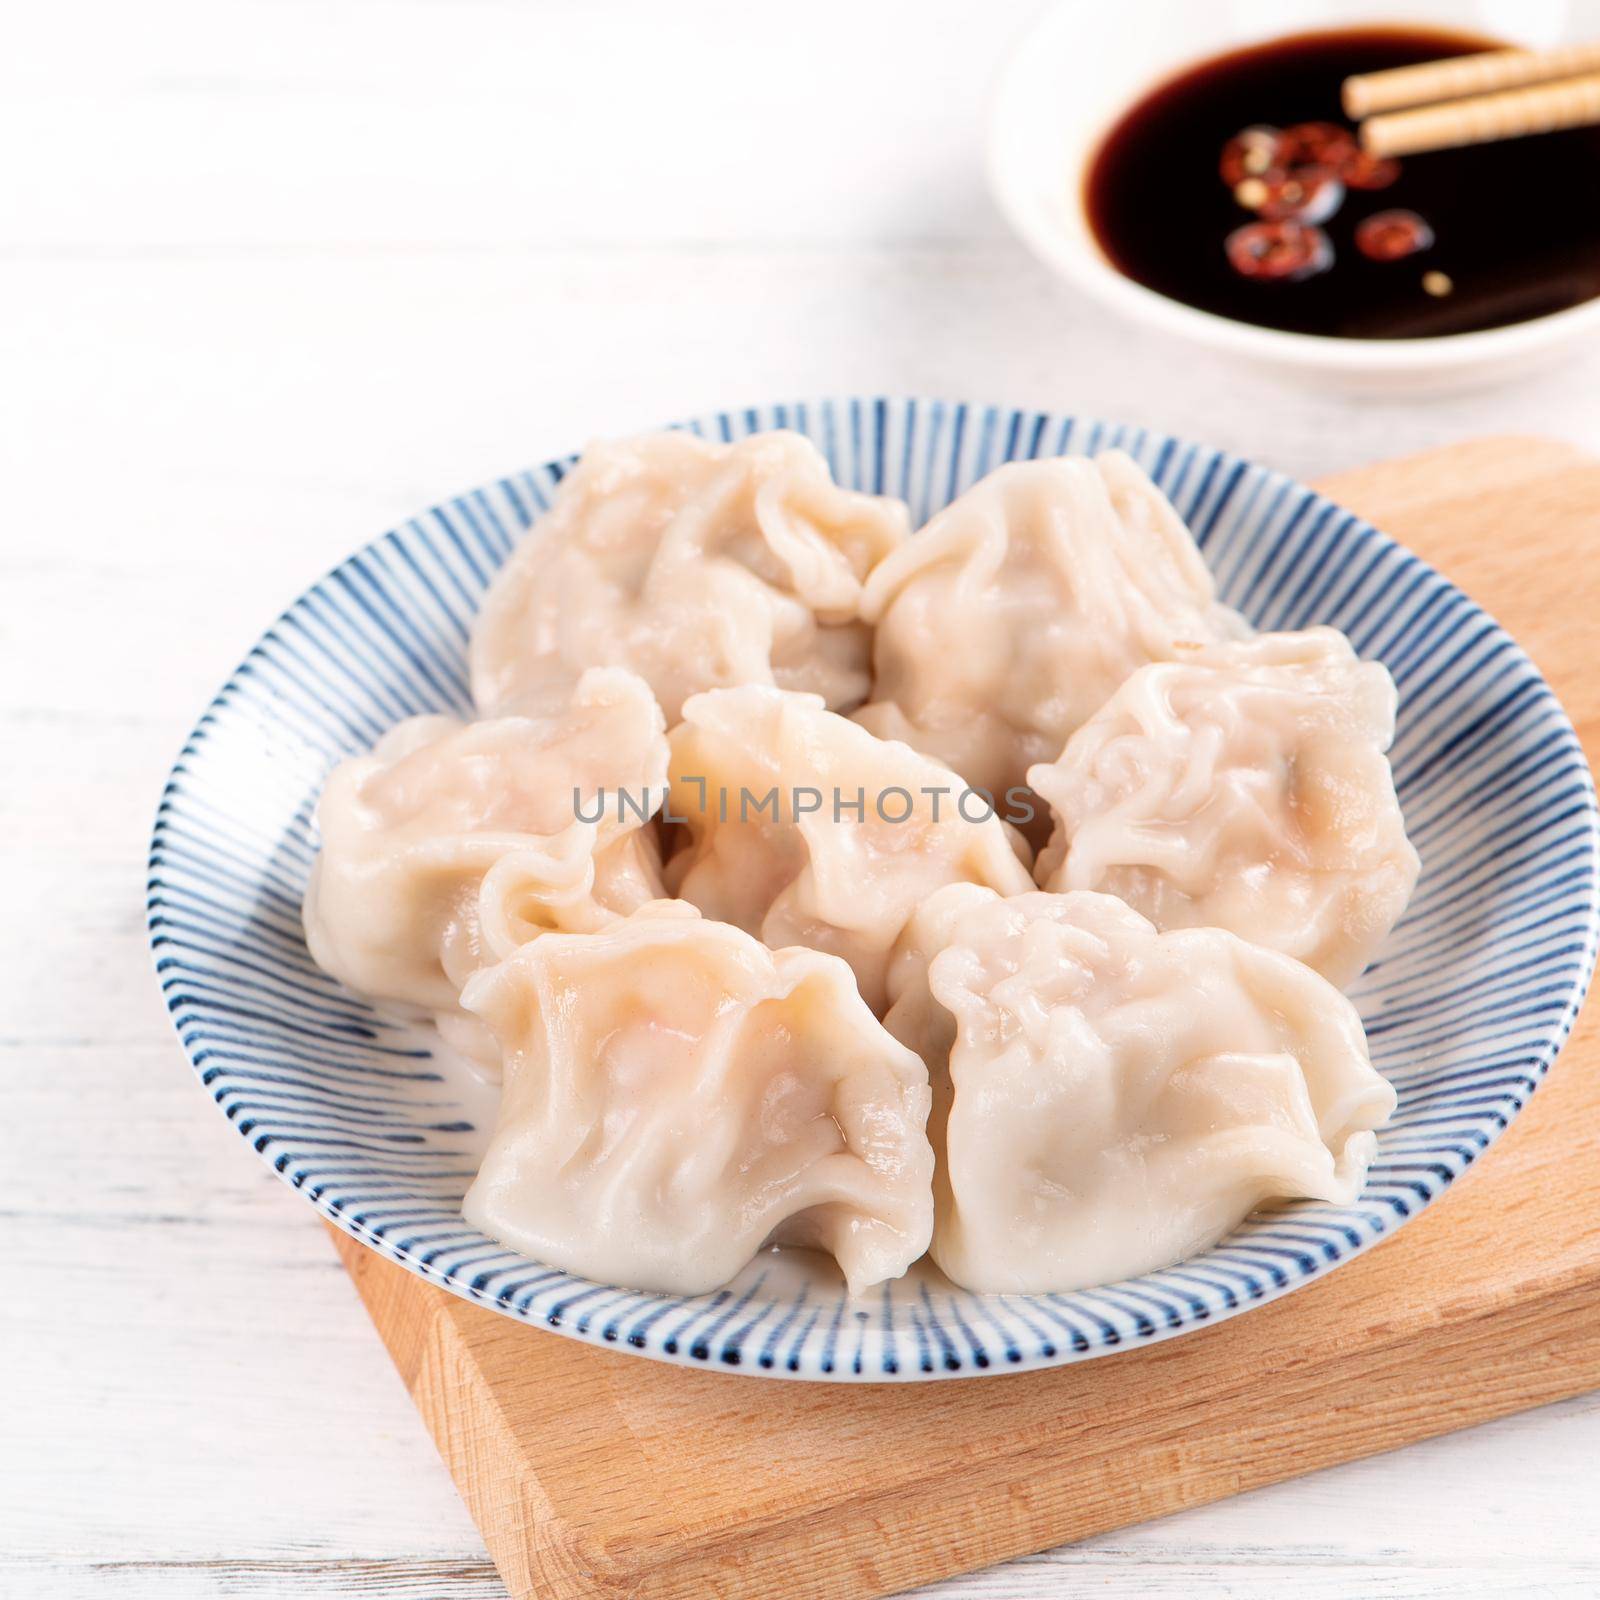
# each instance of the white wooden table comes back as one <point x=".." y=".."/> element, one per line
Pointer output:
<point x="276" y="273"/>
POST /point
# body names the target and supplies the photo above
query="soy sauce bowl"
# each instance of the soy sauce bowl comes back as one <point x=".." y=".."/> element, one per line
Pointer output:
<point x="1078" y="68"/>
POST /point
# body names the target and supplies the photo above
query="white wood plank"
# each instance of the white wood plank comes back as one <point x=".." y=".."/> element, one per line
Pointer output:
<point x="450" y="1580"/>
<point x="257" y="124"/>
<point x="269" y="413"/>
<point x="266" y="1579"/>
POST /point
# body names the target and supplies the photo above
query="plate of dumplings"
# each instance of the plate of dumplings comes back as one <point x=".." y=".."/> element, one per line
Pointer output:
<point x="877" y="890"/>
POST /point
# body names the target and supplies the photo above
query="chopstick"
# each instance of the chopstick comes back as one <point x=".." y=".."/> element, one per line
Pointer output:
<point x="1513" y="114"/>
<point x="1500" y="94"/>
<point x="1493" y="70"/>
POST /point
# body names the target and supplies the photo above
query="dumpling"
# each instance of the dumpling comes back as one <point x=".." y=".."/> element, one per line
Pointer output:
<point x="677" y="1096"/>
<point x="451" y="842"/>
<point x="805" y="829"/>
<point x="1244" y="787"/>
<point x="696" y="565"/>
<point x="1012" y="616"/>
<point x="1110" y="1100"/>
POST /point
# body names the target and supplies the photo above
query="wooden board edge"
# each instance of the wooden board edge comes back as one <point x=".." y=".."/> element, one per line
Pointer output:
<point x="1033" y="1499"/>
<point x="1399" y="1388"/>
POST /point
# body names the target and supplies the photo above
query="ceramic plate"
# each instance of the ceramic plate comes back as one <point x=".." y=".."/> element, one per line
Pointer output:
<point x="362" y="1114"/>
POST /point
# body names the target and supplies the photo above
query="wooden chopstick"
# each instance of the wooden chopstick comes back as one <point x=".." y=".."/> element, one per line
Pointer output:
<point x="1459" y="76"/>
<point x="1512" y="114"/>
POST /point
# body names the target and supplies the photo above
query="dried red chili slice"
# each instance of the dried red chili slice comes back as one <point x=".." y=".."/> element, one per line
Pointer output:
<point x="1303" y="194"/>
<point x="1278" y="252"/>
<point x="1361" y="171"/>
<point x="1392" y="235"/>
<point x="1324" y="143"/>
<point x="1250" y="153"/>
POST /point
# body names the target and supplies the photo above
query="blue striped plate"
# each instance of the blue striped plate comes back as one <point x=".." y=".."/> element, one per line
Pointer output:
<point x="1466" y="1010"/>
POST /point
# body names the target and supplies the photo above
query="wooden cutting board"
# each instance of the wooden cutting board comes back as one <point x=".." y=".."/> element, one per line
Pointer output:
<point x="593" y="1473"/>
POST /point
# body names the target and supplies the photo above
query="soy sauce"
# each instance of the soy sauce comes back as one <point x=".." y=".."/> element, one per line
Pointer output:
<point x="1515" y="226"/>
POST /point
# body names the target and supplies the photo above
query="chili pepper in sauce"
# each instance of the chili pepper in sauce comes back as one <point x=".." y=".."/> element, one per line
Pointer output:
<point x="1279" y="252"/>
<point x="1303" y="194"/>
<point x="1250" y="153"/>
<point x="1325" y="143"/>
<point x="1392" y="235"/>
<point x="1361" y="171"/>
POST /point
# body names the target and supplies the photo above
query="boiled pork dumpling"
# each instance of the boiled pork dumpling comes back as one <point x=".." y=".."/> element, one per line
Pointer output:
<point x="805" y="829"/>
<point x="452" y="842"/>
<point x="1244" y="787"/>
<point x="677" y="1095"/>
<point x="1110" y="1100"/>
<point x="694" y="564"/>
<point x="1013" y="615"/>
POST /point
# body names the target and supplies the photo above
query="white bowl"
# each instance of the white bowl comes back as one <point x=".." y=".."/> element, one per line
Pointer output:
<point x="1079" y="66"/>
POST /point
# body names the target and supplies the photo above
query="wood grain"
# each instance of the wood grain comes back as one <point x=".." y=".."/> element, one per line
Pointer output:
<point x="595" y="1474"/>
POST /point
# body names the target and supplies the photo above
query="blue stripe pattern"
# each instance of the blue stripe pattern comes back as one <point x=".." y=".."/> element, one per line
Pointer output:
<point x="1472" y="998"/>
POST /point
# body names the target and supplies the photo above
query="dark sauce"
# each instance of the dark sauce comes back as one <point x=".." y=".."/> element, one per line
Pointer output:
<point x="1515" y="225"/>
